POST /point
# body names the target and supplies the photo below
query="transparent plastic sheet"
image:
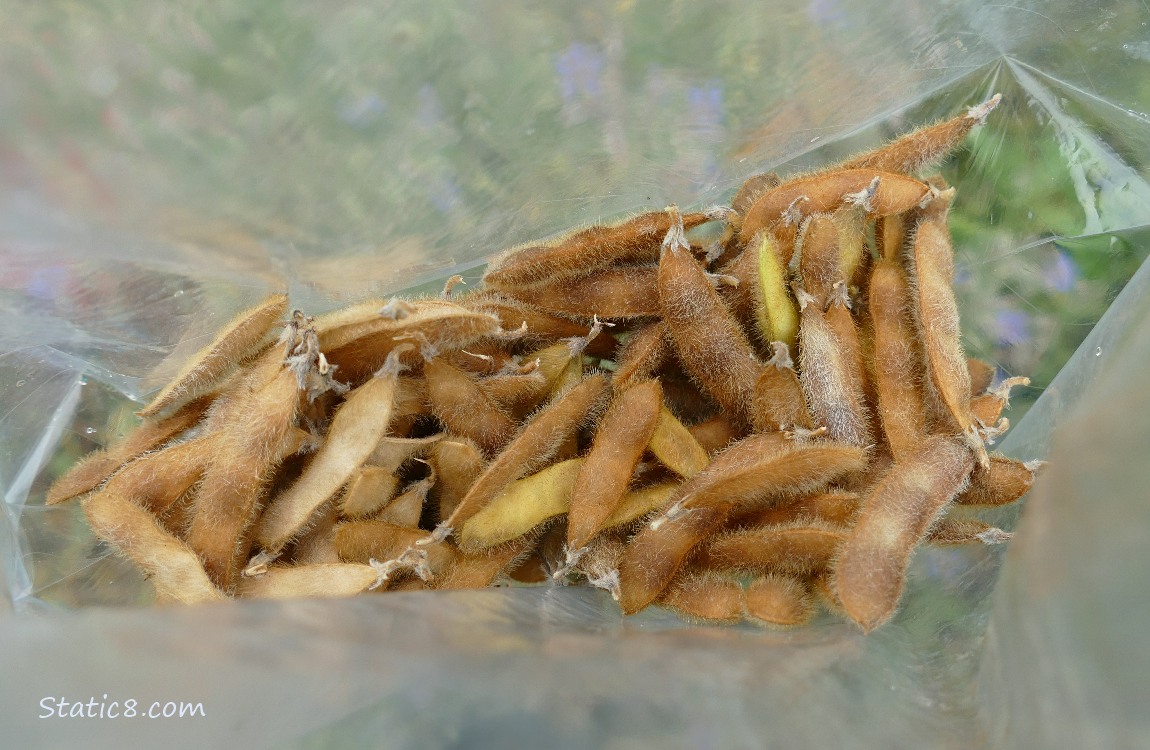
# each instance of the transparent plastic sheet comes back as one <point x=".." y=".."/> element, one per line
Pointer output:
<point x="160" y="169"/>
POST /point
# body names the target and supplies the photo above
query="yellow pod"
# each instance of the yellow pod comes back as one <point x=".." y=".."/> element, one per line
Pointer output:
<point x="525" y="504"/>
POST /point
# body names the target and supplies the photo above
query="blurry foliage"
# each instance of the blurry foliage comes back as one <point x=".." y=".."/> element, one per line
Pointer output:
<point x="349" y="127"/>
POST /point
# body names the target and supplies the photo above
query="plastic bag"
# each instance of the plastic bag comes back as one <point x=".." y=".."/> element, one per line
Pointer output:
<point x="161" y="168"/>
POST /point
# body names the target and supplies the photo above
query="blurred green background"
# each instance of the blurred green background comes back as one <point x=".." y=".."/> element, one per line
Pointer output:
<point x="352" y="149"/>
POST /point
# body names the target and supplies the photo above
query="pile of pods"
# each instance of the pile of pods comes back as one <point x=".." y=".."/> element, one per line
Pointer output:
<point x="741" y="427"/>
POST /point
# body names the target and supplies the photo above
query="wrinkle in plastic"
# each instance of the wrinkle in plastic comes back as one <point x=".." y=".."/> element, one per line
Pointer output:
<point x="153" y="184"/>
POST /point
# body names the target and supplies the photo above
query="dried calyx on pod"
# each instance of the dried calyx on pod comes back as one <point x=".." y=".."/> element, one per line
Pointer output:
<point x="733" y="432"/>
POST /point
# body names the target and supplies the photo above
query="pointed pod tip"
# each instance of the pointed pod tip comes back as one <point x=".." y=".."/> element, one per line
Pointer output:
<point x="804" y="298"/>
<point x="392" y="366"/>
<point x="780" y="356"/>
<point x="719" y="213"/>
<point x="979" y="112"/>
<point x="864" y="198"/>
<point x="676" y="236"/>
<point x="993" y="536"/>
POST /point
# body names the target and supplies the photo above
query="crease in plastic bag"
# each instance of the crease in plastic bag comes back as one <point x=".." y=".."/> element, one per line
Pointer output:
<point x="1052" y="222"/>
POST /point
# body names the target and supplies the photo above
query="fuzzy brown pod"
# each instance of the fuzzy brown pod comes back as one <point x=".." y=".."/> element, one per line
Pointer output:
<point x="870" y="570"/>
<point x="706" y="337"/>
<point x="732" y="429"/>
<point x="880" y="193"/>
<point x="174" y="568"/>
<point x="241" y="338"/>
<point x="98" y="466"/>
<point x="632" y="241"/>
<point x="228" y="498"/>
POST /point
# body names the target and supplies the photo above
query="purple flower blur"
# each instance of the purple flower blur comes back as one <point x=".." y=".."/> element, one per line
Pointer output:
<point x="824" y="11"/>
<point x="705" y="116"/>
<point x="579" y="67"/>
<point x="705" y="107"/>
<point x="1012" y="327"/>
<point x="361" y="111"/>
<point x="47" y="283"/>
<point x="444" y="194"/>
<point x="1061" y="273"/>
